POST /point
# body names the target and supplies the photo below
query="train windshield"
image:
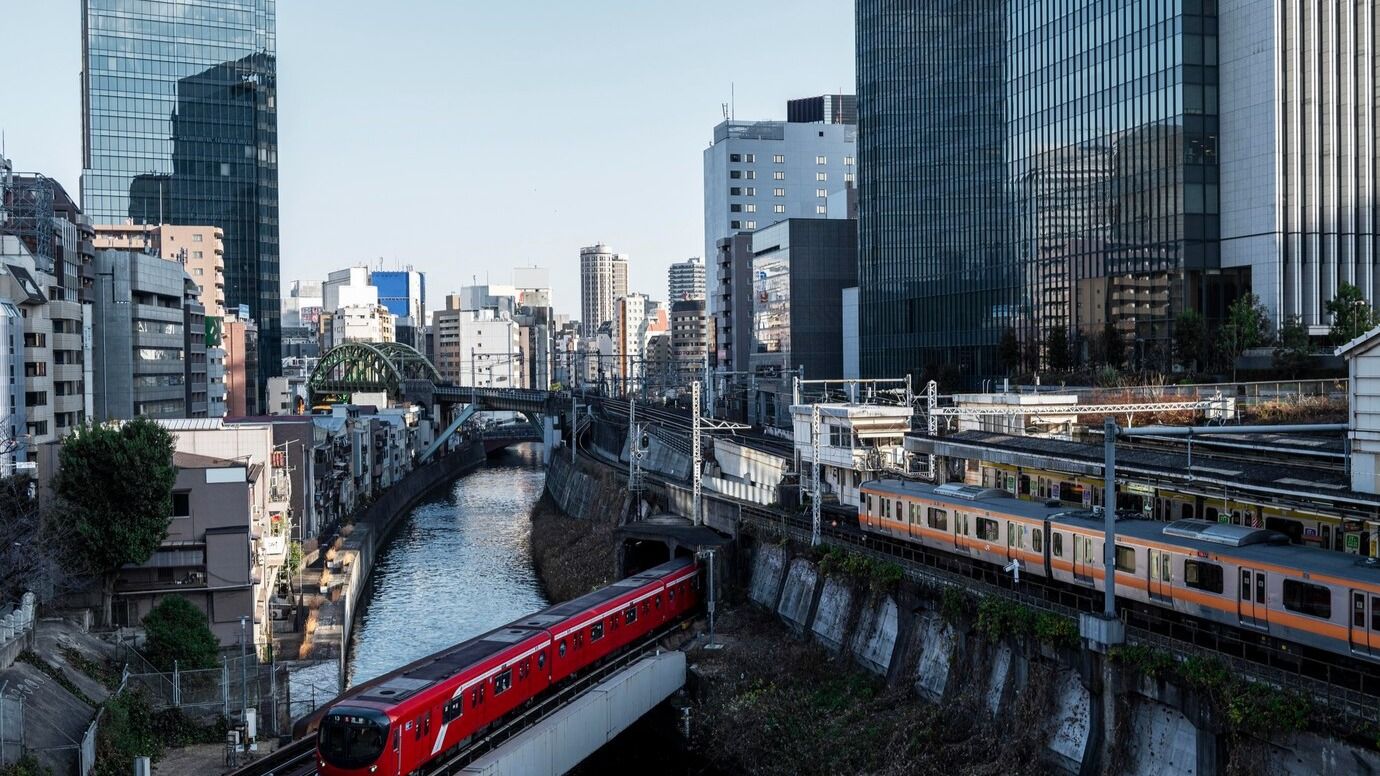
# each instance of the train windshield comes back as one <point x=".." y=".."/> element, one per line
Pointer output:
<point x="353" y="738"/>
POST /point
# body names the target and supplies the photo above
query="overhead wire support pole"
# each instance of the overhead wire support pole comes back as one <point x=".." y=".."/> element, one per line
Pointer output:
<point x="814" y="476"/>
<point x="696" y="454"/>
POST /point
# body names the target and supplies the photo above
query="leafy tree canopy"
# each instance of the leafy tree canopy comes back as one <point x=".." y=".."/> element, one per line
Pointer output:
<point x="177" y="631"/>
<point x="115" y="483"/>
<point x="1351" y="315"/>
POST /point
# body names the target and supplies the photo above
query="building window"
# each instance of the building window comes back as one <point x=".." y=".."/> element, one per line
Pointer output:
<point x="197" y="254"/>
<point x="750" y="191"/>
<point x="735" y="174"/>
<point x="778" y="158"/>
<point x="749" y="174"/>
<point x="821" y="192"/>
<point x="821" y="160"/>
<point x="735" y="157"/>
<point x="749" y="158"/>
<point x="182" y="504"/>
<point x="750" y="208"/>
<point x="821" y="176"/>
<point x="847" y="161"/>
<point x="778" y="192"/>
<point x="778" y="208"/>
<point x="778" y="176"/>
<point x="196" y="237"/>
<point x="735" y="225"/>
<point x="821" y="210"/>
<point x="735" y="191"/>
<point x="735" y="208"/>
<point x="749" y="224"/>
<point x="849" y="177"/>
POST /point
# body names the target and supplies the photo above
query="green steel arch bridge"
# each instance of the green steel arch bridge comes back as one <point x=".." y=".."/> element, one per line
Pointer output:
<point x="405" y="375"/>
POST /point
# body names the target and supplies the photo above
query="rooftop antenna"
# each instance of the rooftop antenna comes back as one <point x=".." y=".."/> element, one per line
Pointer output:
<point x="732" y="101"/>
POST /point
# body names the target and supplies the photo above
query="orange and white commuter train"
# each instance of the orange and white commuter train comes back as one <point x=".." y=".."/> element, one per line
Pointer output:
<point x="1233" y="575"/>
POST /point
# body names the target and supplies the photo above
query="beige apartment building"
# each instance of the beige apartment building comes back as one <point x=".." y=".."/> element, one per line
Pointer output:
<point x="201" y="249"/>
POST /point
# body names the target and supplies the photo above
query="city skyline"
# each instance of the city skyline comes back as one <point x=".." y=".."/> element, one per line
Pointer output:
<point x="658" y="115"/>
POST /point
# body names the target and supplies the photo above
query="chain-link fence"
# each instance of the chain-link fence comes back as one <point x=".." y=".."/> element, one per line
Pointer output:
<point x="11" y="728"/>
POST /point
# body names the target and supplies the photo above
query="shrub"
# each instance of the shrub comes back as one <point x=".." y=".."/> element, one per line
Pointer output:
<point x="178" y="631"/>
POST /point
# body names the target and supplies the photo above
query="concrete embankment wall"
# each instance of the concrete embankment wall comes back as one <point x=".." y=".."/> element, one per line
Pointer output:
<point x="354" y="561"/>
<point x="906" y="639"/>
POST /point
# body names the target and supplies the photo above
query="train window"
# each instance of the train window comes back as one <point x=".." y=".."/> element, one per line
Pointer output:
<point x="596" y="631"/>
<point x="397" y="740"/>
<point x="503" y="681"/>
<point x="1125" y="559"/>
<point x="657" y="601"/>
<point x="1375" y="613"/>
<point x="988" y="530"/>
<point x="630" y="616"/>
<point x="1245" y="585"/>
<point x="561" y="649"/>
<point x="914" y="513"/>
<point x="1037" y="540"/>
<point x="541" y="659"/>
<point x="672" y="593"/>
<point x="1358" y="610"/>
<point x="426" y="723"/>
<point x="1305" y="598"/>
<point x="1203" y="576"/>
<point x="1010" y="534"/>
<point x="1057" y="542"/>
<point x="417" y="730"/>
<point x="938" y="519"/>
<point x="452" y="709"/>
<point x="871" y="503"/>
<point x="886" y="508"/>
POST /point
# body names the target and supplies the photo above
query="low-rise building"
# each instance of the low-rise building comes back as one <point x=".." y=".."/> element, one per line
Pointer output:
<point x="857" y="443"/>
<point x="208" y="555"/>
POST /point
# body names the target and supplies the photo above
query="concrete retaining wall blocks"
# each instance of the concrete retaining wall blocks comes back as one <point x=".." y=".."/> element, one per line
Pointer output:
<point x="1072" y="721"/>
<point x="875" y="639"/>
<point x="799" y="594"/>
<point x="935" y="640"/>
<point x="831" y="617"/>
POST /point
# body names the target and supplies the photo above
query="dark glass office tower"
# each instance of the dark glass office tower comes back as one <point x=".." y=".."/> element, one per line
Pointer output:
<point x="1028" y="165"/>
<point x="180" y="126"/>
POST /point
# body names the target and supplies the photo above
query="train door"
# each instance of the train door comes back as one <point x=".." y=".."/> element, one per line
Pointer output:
<point x="1251" y="599"/>
<point x="1161" y="574"/>
<point x="960" y="527"/>
<point x="1083" y="559"/>
<point x="1013" y="539"/>
<point x="1365" y="623"/>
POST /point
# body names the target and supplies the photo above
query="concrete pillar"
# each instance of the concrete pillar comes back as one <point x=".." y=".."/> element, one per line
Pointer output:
<point x="550" y="438"/>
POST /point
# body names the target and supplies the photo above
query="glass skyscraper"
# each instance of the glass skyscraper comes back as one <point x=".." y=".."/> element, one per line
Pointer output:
<point x="1032" y="165"/>
<point x="180" y="126"/>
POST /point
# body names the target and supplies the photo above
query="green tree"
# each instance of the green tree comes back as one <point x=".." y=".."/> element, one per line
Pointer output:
<point x="1114" y="347"/>
<point x="1247" y="326"/>
<point x="114" y="484"/>
<point x="1057" y="349"/>
<point x="1351" y="315"/>
<point x="1009" y="351"/>
<point x="1190" y="339"/>
<point x="1293" y="348"/>
<point x="177" y="631"/>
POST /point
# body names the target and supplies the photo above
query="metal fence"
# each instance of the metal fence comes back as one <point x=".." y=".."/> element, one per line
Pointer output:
<point x="1244" y="393"/>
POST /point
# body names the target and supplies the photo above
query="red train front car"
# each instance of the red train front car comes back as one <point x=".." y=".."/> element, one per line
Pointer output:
<point x="400" y="722"/>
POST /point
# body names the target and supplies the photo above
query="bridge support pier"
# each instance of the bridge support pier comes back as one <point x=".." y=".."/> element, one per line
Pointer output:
<point x="550" y="439"/>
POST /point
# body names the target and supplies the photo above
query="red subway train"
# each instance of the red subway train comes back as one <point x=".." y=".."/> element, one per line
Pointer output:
<point x="403" y="721"/>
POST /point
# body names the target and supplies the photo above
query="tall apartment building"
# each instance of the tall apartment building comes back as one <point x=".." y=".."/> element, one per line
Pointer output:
<point x="302" y="305"/>
<point x="240" y="342"/>
<point x="45" y="288"/>
<point x="179" y="120"/>
<point x="685" y="280"/>
<point x="201" y="249"/>
<point x="478" y="347"/>
<point x="1211" y="149"/>
<point x="636" y="320"/>
<point x="759" y="172"/>
<point x="731" y="304"/>
<point x="603" y="281"/>
<point x="144" y="307"/>
<point x="691" y="337"/>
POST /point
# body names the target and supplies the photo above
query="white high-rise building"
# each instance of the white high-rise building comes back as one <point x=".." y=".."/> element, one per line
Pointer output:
<point x="685" y="281"/>
<point x="1298" y="164"/>
<point x="603" y="281"/>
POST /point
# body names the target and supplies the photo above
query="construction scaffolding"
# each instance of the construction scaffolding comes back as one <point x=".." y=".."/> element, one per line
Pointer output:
<point x="26" y="213"/>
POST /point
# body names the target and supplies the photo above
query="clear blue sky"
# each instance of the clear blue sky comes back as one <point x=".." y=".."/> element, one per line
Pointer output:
<point x="466" y="138"/>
